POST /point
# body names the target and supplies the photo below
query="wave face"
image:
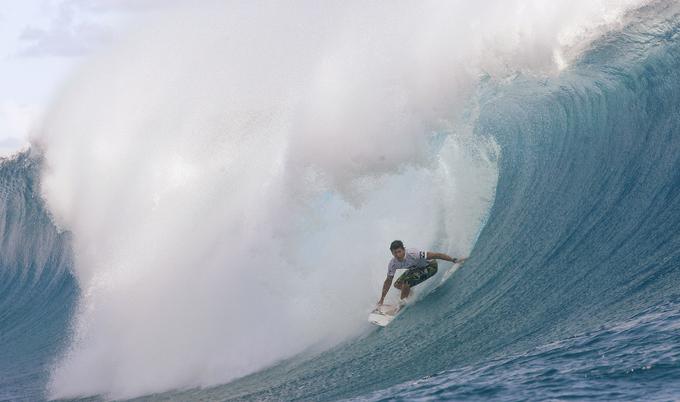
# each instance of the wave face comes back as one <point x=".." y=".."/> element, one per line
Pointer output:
<point x="37" y="290"/>
<point x="228" y="226"/>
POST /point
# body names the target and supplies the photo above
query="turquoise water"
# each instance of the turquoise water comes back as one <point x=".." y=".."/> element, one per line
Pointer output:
<point x="571" y="291"/>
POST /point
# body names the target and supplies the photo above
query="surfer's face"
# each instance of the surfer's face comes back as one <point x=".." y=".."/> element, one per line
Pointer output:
<point x="399" y="254"/>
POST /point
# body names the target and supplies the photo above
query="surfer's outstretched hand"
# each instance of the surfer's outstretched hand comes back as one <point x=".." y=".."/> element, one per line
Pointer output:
<point x="461" y="260"/>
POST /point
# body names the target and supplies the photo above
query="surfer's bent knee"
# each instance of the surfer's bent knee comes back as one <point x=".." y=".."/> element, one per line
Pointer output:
<point x="432" y="268"/>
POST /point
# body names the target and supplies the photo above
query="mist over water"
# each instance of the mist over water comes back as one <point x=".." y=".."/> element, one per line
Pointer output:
<point x="233" y="175"/>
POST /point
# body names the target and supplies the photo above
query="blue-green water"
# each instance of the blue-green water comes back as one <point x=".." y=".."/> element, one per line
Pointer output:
<point x="572" y="288"/>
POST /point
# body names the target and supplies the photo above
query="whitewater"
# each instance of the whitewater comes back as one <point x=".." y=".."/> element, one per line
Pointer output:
<point x="205" y="212"/>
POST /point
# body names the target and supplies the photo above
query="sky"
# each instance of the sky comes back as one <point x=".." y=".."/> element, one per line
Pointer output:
<point x="41" y="43"/>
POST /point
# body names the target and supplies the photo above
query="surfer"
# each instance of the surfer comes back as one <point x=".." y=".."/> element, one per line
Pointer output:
<point x="420" y="265"/>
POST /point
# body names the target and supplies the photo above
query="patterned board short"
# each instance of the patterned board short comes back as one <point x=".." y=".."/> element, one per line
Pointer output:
<point x="418" y="275"/>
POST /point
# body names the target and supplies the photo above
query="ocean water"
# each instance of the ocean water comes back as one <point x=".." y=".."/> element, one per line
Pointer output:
<point x="219" y="232"/>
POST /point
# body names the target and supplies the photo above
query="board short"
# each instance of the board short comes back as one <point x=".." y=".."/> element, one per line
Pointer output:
<point x="419" y="275"/>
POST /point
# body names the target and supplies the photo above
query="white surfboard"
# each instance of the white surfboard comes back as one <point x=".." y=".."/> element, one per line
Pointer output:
<point x="384" y="314"/>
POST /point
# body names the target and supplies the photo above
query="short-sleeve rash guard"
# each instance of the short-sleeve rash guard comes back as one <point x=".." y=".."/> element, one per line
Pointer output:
<point x="414" y="258"/>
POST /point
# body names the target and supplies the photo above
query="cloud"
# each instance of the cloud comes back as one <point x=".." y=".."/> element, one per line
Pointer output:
<point x="11" y="143"/>
<point x="16" y="116"/>
<point x="10" y="146"/>
<point x="63" y="40"/>
<point x="78" y="27"/>
<point x="125" y="6"/>
<point x="16" y="120"/>
<point x="69" y="33"/>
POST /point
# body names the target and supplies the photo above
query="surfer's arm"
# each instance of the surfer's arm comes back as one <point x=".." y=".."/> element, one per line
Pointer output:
<point x="386" y="288"/>
<point x="441" y="256"/>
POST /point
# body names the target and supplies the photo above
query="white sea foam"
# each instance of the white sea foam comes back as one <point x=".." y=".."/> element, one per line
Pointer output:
<point x="233" y="175"/>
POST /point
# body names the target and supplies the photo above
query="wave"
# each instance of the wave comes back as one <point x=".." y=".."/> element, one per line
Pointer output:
<point x="629" y="360"/>
<point x="37" y="290"/>
<point x="580" y="239"/>
<point x="227" y="224"/>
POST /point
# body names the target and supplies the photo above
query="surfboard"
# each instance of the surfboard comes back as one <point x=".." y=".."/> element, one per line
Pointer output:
<point x="384" y="314"/>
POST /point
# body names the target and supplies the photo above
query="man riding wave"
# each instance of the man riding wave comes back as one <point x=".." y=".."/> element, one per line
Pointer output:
<point x="420" y="265"/>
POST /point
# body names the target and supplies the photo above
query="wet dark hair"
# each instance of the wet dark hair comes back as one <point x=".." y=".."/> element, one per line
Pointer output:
<point x="397" y="244"/>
